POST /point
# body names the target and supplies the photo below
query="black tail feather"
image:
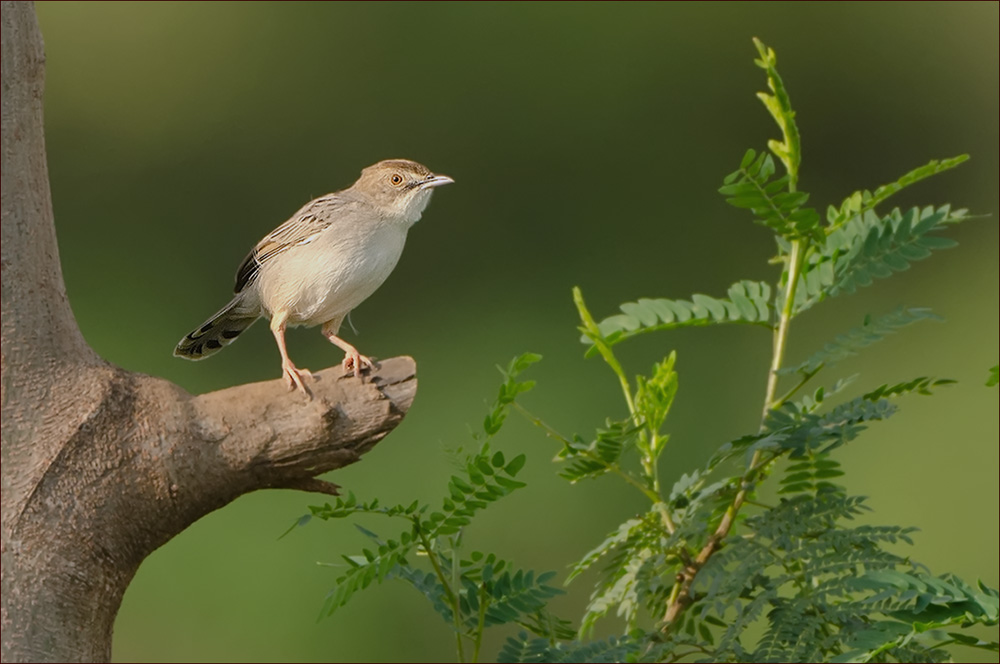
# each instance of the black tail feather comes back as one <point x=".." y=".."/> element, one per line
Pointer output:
<point x="216" y="333"/>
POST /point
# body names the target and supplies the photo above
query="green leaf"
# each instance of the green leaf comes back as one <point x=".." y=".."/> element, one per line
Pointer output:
<point x="749" y="303"/>
<point x="869" y="247"/>
<point x="627" y="530"/>
<point x="994" y="376"/>
<point x="801" y="431"/>
<point x="774" y="203"/>
<point x="779" y="105"/>
<point x="590" y="460"/>
<point x="301" y="521"/>
<point x="706" y="634"/>
<point x="515" y="465"/>
<point x="593" y="333"/>
<point x="974" y="642"/>
<point x="512" y="594"/>
<point x="851" y="342"/>
<point x="655" y="395"/>
<point x="375" y="567"/>
<point x="861" y="202"/>
<point x="523" y="649"/>
<point x="714" y="307"/>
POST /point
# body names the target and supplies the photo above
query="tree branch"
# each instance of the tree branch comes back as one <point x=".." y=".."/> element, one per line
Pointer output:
<point x="43" y="331"/>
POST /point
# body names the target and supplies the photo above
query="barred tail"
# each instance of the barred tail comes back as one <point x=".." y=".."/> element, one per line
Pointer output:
<point x="218" y="331"/>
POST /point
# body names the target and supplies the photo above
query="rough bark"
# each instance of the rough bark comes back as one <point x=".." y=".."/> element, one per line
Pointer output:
<point x="100" y="466"/>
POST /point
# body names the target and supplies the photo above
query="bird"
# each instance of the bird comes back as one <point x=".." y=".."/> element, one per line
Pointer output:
<point x="323" y="262"/>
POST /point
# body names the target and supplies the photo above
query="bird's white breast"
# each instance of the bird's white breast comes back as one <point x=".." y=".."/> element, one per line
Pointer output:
<point x="326" y="278"/>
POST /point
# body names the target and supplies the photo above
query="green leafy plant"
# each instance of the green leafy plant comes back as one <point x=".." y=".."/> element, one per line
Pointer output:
<point x="471" y="591"/>
<point x="708" y="572"/>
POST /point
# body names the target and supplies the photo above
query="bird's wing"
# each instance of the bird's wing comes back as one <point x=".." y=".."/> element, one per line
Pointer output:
<point x="304" y="226"/>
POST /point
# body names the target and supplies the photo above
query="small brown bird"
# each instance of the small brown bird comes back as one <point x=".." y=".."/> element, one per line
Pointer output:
<point x="322" y="263"/>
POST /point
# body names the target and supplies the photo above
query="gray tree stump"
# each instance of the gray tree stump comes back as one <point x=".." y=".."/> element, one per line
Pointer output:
<point x="100" y="466"/>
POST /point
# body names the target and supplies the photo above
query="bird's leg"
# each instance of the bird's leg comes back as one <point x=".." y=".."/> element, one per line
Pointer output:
<point x="353" y="360"/>
<point x="293" y="376"/>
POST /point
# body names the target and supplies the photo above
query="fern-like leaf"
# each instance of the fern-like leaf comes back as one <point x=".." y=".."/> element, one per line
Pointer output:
<point x="861" y="202"/>
<point x="632" y="573"/>
<point x="778" y="104"/>
<point x="524" y="649"/>
<point x="749" y="302"/>
<point x="828" y="591"/>
<point x="800" y="432"/>
<point x="626" y="531"/>
<point x="513" y="595"/>
<point x="488" y="478"/>
<point x="870" y="247"/>
<point x="892" y="243"/>
<point x="812" y="474"/>
<point x="371" y="567"/>
<point x="774" y="202"/>
<point x="851" y="342"/>
<point x="593" y="459"/>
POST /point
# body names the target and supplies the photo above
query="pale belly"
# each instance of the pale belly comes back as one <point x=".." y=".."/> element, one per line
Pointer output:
<point x="326" y="279"/>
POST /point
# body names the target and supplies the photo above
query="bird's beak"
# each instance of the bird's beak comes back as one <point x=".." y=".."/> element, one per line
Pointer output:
<point x="435" y="181"/>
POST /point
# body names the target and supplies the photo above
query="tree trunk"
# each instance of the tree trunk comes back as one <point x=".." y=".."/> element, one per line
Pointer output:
<point x="100" y="466"/>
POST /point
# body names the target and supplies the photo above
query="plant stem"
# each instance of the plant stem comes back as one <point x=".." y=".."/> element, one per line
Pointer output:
<point x="806" y="377"/>
<point x="591" y="329"/>
<point x="481" y="626"/>
<point x="781" y="332"/>
<point x="668" y="521"/>
<point x="680" y="596"/>
<point x="681" y="655"/>
<point x="456" y="585"/>
<point x="627" y="391"/>
<point x="449" y="593"/>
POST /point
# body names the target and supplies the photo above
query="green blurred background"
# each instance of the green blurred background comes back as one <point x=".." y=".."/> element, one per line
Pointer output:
<point x="587" y="142"/>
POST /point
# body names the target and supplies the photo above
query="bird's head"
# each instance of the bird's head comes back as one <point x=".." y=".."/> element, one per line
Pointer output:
<point x="399" y="187"/>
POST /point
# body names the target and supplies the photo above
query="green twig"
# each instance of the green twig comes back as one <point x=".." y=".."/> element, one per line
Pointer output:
<point x="789" y="151"/>
<point x="552" y="433"/>
<point x="593" y="332"/>
<point x="806" y="377"/>
<point x="781" y="333"/>
<point x="679" y="600"/>
<point x="481" y="625"/>
<point x="449" y="593"/>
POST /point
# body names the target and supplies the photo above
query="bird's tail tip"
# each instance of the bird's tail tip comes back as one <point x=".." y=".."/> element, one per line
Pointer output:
<point x="215" y="334"/>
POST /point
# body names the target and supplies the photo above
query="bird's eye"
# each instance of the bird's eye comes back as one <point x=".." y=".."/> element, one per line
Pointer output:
<point x="396" y="179"/>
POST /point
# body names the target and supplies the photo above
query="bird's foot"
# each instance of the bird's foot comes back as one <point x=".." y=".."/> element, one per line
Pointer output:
<point x="294" y="378"/>
<point x="354" y="363"/>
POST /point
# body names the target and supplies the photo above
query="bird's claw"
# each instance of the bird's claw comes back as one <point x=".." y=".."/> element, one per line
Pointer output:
<point x="355" y="363"/>
<point x="293" y="378"/>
